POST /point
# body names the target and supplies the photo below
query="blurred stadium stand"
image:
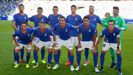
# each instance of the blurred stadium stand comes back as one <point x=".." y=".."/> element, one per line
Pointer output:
<point x="9" y="7"/>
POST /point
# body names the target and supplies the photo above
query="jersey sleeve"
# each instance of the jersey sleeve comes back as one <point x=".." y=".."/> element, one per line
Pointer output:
<point x="46" y="20"/>
<point x="31" y="18"/>
<point x="124" y="24"/>
<point x="14" y="34"/>
<point x="104" y="23"/>
<point x="14" y="18"/>
<point x="98" y="20"/>
<point x="27" y="18"/>
<point x="80" y="20"/>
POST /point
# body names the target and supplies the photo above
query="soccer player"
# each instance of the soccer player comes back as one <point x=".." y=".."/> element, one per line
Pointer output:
<point x="106" y="19"/>
<point x="44" y="35"/>
<point x="119" y="23"/>
<point x="111" y="36"/>
<point x="17" y="22"/>
<point x="63" y="31"/>
<point x="54" y="19"/>
<point x="88" y="32"/>
<point x="36" y="19"/>
<point x="95" y="20"/>
<point x="25" y="38"/>
<point x="75" y="20"/>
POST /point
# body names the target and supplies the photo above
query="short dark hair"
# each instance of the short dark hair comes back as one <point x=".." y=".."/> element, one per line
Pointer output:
<point x="24" y="23"/>
<point x="73" y="6"/>
<point x="55" y="7"/>
<point x="91" y="6"/>
<point x="111" y="21"/>
<point x="62" y="17"/>
<point x="116" y="7"/>
<point x="21" y="5"/>
<point x="40" y="8"/>
<point x="86" y="17"/>
<point x="42" y="22"/>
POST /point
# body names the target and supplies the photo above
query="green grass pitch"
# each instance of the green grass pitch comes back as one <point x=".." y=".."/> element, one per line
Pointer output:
<point x="6" y="57"/>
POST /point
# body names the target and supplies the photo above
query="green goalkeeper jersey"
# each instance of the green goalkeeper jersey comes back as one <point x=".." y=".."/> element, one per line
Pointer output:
<point x="120" y="22"/>
<point x="105" y="21"/>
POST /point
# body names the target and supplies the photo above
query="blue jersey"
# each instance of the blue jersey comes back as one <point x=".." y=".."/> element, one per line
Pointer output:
<point x="43" y="36"/>
<point x="75" y="21"/>
<point x="94" y="20"/>
<point x="53" y="20"/>
<point x="87" y="33"/>
<point x="110" y="37"/>
<point x="24" y="38"/>
<point x="63" y="33"/>
<point x="18" y="19"/>
<point x="36" y="19"/>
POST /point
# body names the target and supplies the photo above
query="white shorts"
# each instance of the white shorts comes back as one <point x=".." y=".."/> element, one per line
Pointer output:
<point x="106" y="46"/>
<point x="67" y="43"/>
<point x="23" y="45"/>
<point x="47" y="44"/>
<point x="86" y="44"/>
<point x="74" y="41"/>
<point x="35" y="41"/>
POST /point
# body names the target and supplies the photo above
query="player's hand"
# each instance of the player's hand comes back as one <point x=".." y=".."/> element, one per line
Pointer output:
<point x="17" y="44"/>
<point x="55" y="44"/>
<point x="94" y="49"/>
<point x="118" y="51"/>
<point x="76" y="27"/>
<point x="79" y="45"/>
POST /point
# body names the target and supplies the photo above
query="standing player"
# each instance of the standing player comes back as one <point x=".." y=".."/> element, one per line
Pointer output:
<point x="63" y="30"/>
<point x="44" y="35"/>
<point x="106" y="19"/>
<point x="36" y="19"/>
<point x="54" y="19"/>
<point x="25" y="39"/>
<point x="17" y="22"/>
<point x="111" y="37"/>
<point x="89" y="34"/>
<point x="119" y="23"/>
<point x="75" y="20"/>
<point x="94" y="19"/>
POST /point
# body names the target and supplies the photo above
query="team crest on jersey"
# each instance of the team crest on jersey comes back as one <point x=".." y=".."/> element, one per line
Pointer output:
<point x="45" y="34"/>
<point x="89" y="30"/>
<point x="28" y="35"/>
<point x="42" y="20"/>
<point x="95" y="19"/>
<point x="25" y="18"/>
<point x="76" y="18"/>
<point x="114" y="34"/>
<point x="66" y="30"/>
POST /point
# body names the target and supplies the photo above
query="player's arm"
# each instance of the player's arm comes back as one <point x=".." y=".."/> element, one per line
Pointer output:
<point x="99" y="39"/>
<point x="99" y="21"/>
<point x="14" y="25"/>
<point x="118" y="44"/>
<point x="79" y="40"/>
<point x="14" y="39"/>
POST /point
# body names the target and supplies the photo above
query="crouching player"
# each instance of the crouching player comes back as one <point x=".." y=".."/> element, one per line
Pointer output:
<point x="88" y="39"/>
<point x="63" y="30"/>
<point x="25" y="36"/>
<point x="44" y="35"/>
<point x="111" y="40"/>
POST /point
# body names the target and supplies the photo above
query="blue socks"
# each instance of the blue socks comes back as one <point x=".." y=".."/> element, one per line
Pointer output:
<point x="22" y="53"/>
<point x="49" y="57"/>
<point x="102" y="57"/>
<point x="86" y="53"/>
<point x="27" y="57"/>
<point x="119" y="61"/>
<point x="78" y="57"/>
<point x="42" y="53"/>
<point x="36" y="56"/>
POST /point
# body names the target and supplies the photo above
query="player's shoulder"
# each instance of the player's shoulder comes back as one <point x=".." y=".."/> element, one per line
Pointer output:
<point x="44" y="16"/>
<point x="116" y="29"/>
<point x="16" y="14"/>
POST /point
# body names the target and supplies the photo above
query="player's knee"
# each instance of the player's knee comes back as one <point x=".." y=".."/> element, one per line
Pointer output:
<point x="70" y="52"/>
<point x="50" y="51"/>
<point x="16" y="50"/>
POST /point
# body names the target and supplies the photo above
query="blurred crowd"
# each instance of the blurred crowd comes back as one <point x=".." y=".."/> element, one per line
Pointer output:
<point x="7" y="7"/>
